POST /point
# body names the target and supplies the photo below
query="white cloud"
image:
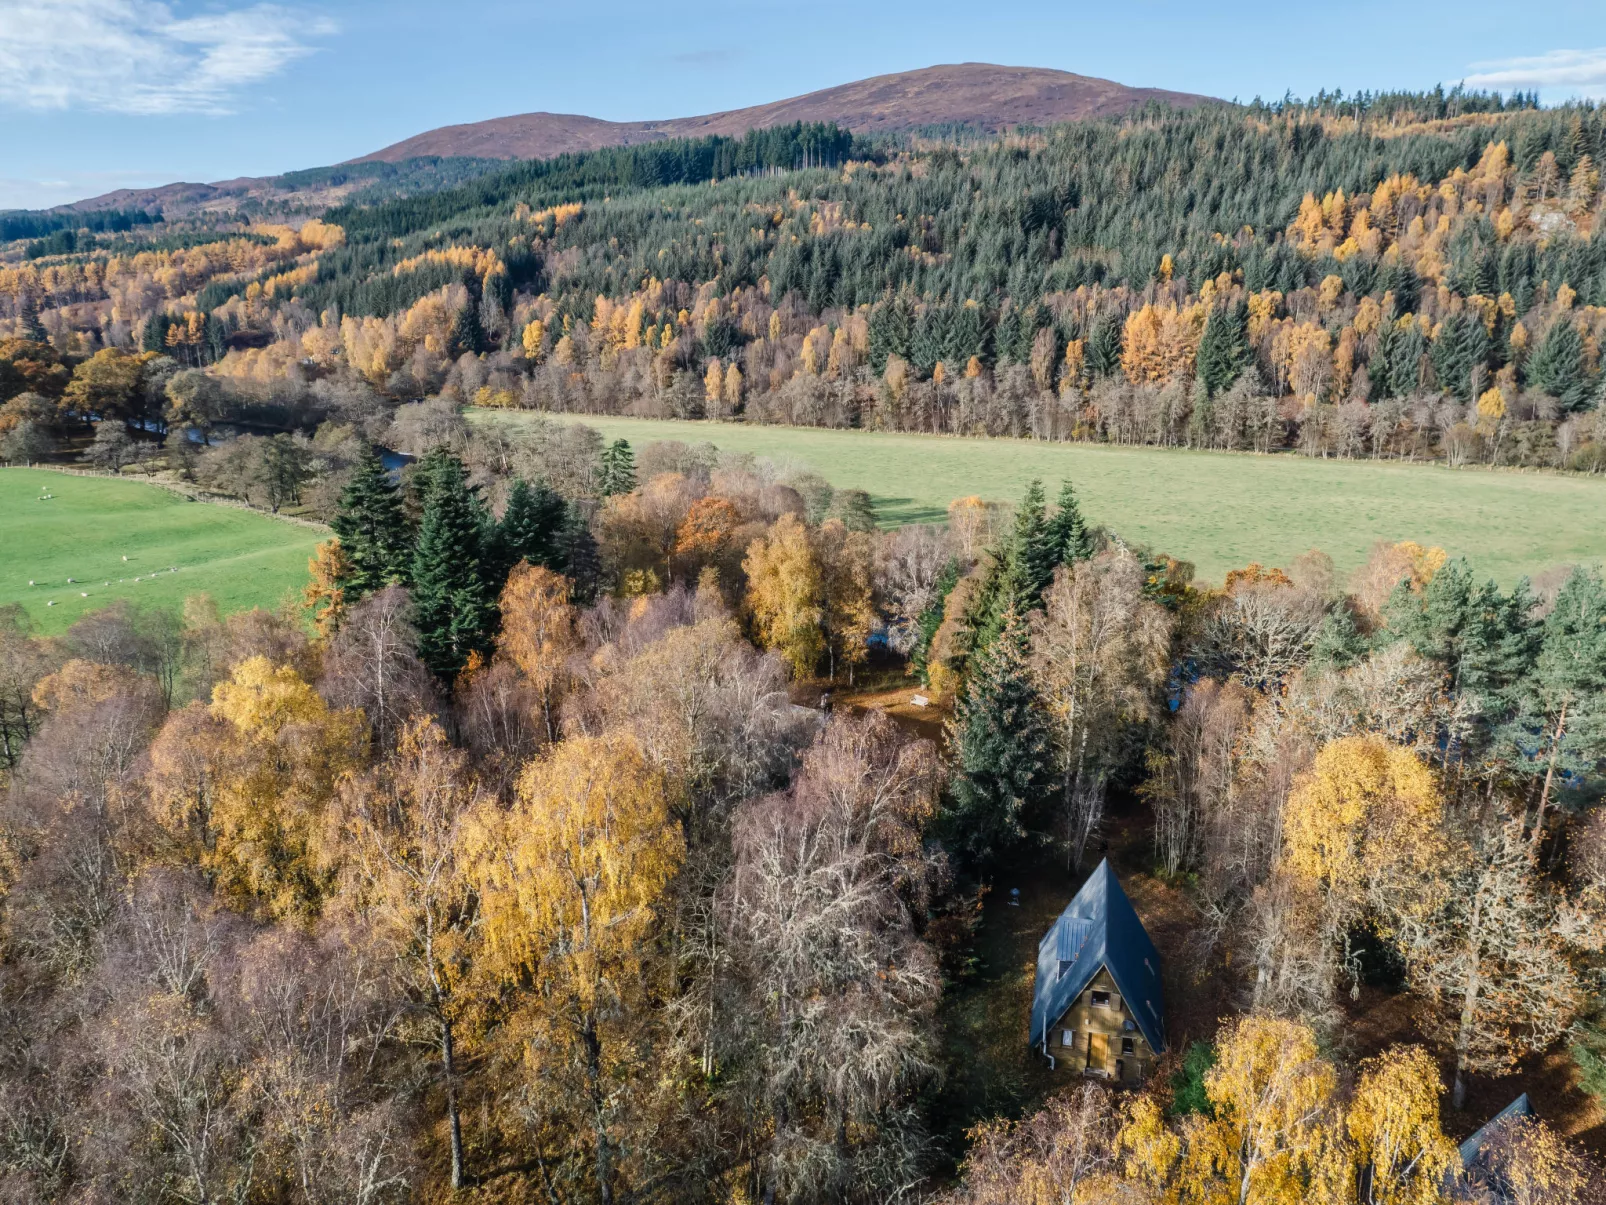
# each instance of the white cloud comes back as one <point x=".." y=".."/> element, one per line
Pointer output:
<point x="1559" y="73"/>
<point x="138" y="56"/>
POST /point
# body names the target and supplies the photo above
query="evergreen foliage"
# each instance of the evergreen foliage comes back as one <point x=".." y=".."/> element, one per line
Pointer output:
<point x="1005" y="765"/>
<point x="1224" y="349"/>
<point x="1068" y="538"/>
<point x="534" y="527"/>
<point x="453" y="593"/>
<point x="617" y="472"/>
<point x="372" y="529"/>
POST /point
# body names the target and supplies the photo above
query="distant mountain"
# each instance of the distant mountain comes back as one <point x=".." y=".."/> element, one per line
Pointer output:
<point x="974" y="94"/>
<point x="979" y="95"/>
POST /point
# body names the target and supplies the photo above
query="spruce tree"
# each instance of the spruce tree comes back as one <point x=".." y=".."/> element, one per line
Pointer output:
<point x="32" y="328"/>
<point x="1224" y="347"/>
<point x="534" y="528"/>
<point x="372" y="529"/>
<point x="453" y="601"/>
<point x="468" y="332"/>
<point x="1068" y="536"/>
<point x="1021" y="572"/>
<point x="617" y="473"/>
<point x="1558" y="366"/>
<point x="1003" y="756"/>
<point x="1104" y="346"/>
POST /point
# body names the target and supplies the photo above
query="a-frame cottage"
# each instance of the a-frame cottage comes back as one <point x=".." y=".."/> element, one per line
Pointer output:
<point x="1097" y="1005"/>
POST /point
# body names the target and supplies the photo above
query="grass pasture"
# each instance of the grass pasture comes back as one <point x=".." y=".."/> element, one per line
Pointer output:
<point x="1219" y="510"/>
<point x="241" y="558"/>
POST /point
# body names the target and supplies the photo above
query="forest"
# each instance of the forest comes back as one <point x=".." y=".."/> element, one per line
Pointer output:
<point x="1415" y="278"/>
<point x="644" y="824"/>
<point x="526" y="861"/>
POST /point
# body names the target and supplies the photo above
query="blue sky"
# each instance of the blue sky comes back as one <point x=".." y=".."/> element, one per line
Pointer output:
<point x="100" y="94"/>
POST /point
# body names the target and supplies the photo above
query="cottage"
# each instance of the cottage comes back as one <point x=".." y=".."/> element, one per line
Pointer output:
<point x="1097" y="1005"/>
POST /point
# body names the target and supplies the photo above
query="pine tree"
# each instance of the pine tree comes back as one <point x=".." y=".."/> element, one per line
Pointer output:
<point x="1104" y="346"/>
<point x="617" y="473"/>
<point x="1020" y="573"/>
<point x="1068" y="536"/>
<point x="32" y="328"/>
<point x="468" y="332"/>
<point x="891" y="330"/>
<point x="1558" y="366"/>
<point x="533" y="528"/>
<point x="1002" y="751"/>
<point x="453" y="606"/>
<point x="372" y="529"/>
<point x="1224" y="348"/>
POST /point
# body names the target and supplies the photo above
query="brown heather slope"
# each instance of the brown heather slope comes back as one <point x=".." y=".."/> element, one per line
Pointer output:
<point x="981" y="95"/>
<point x="977" y="94"/>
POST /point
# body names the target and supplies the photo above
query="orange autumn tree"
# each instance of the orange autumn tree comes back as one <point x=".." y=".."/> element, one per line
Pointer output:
<point x="569" y="879"/>
<point x="242" y="786"/>
<point x="538" y="634"/>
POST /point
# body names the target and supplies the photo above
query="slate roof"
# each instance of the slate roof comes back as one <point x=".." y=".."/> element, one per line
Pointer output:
<point x="1099" y="929"/>
<point x="1473" y="1147"/>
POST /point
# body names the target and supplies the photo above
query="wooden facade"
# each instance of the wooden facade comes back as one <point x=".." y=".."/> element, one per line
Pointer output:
<point x="1098" y="1035"/>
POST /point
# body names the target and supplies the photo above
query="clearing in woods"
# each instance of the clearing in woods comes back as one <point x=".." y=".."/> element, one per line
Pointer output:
<point x="242" y="558"/>
<point x="1219" y="510"/>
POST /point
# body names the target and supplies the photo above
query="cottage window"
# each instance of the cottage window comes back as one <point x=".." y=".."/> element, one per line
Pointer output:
<point x="1068" y="1038"/>
<point x="1099" y="999"/>
<point x="1127" y="1046"/>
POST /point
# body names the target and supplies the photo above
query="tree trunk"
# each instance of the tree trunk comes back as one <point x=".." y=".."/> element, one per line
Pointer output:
<point x="593" y="1047"/>
<point x="1550" y="775"/>
<point x="1469" y="1004"/>
<point x="453" y="1119"/>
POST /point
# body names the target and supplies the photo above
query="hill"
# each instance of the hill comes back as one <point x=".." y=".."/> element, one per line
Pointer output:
<point x="978" y="95"/>
<point x="981" y="95"/>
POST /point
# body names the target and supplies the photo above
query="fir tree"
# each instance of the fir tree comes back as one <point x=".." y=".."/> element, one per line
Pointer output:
<point x="453" y="607"/>
<point x="468" y="332"/>
<point x="1019" y="575"/>
<point x="891" y="331"/>
<point x="617" y="473"/>
<point x="1558" y="366"/>
<point x="1004" y="762"/>
<point x="534" y="528"/>
<point x="32" y="328"/>
<point x="1104" y="346"/>
<point x="1224" y="348"/>
<point x="372" y="529"/>
<point x="1068" y="537"/>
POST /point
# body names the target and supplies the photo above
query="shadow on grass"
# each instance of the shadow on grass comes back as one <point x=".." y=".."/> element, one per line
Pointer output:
<point x="899" y="512"/>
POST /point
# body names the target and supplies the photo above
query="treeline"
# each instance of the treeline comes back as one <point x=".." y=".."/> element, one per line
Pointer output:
<point x="589" y="175"/>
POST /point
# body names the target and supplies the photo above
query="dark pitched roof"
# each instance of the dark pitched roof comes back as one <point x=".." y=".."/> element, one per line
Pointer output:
<point x="1099" y="929"/>
<point x="1473" y="1147"/>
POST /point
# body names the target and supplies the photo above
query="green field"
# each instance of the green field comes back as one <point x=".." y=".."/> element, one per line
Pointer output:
<point x="1216" y="509"/>
<point x="130" y="535"/>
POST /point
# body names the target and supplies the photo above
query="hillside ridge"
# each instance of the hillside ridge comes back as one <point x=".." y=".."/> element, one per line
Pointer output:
<point x="983" y="95"/>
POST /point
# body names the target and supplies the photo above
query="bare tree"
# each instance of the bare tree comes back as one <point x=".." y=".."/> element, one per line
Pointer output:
<point x="372" y="663"/>
<point x="1100" y="653"/>
<point x="824" y="910"/>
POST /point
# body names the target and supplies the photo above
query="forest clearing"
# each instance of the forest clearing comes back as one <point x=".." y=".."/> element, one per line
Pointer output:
<point x="1218" y="510"/>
